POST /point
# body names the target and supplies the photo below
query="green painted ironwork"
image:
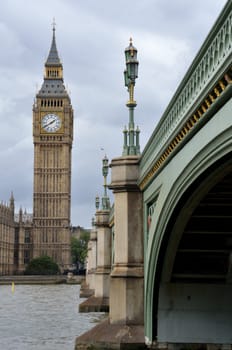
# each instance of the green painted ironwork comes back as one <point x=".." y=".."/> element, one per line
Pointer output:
<point x="104" y="202"/>
<point x="131" y="135"/>
<point x="213" y="59"/>
<point x="212" y="62"/>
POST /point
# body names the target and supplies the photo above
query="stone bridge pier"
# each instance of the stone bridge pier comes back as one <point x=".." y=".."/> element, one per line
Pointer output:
<point x="124" y="329"/>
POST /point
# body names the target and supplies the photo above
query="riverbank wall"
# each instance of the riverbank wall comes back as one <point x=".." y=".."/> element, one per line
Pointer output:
<point x="38" y="279"/>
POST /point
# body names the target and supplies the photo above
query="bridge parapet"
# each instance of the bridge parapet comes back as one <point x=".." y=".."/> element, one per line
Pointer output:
<point x="205" y="81"/>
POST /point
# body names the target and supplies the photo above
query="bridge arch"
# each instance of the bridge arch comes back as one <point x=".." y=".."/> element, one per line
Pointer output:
<point x="169" y="268"/>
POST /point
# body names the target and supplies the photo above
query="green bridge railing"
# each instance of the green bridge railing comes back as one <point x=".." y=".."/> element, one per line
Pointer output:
<point x="211" y="62"/>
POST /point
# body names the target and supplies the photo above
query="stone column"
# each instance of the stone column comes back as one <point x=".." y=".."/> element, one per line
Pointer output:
<point x="103" y="270"/>
<point x="125" y="327"/>
<point x="92" y="259"/>
<point x="88" y="286"/>
<point x="126" y="283"/>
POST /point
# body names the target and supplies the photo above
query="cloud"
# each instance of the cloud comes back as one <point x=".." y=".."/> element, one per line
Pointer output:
<point x="91" y="38"/>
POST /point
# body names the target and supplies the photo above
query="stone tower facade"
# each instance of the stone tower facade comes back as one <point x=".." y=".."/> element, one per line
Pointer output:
<point x="52" y="136"/>
<point x="7" y="237"/>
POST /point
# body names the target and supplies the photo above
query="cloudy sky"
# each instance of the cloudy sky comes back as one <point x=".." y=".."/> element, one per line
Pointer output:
<point x="91" y="36"/>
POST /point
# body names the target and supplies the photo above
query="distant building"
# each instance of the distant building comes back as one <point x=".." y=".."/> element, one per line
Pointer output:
<point x="76" y="231"/>
<point x="48" y="230"/>
<point x="52" y="136"/>
<point x="7" y="238"/>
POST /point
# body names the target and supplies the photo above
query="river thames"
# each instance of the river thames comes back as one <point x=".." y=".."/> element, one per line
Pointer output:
<point x="42" y="317"/>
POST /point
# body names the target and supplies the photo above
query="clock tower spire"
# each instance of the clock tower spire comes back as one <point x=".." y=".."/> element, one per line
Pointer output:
<point x="53" y="65"/>
<point x="53" y="57"/>
<point x="52" y="136"/>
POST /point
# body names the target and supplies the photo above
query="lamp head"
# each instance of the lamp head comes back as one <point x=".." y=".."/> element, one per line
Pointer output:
<point x="105" y="167"/>
<point x="131" y="72"/>
<point x="97" y="202"/>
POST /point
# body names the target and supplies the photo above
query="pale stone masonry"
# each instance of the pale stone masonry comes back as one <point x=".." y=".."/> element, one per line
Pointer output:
<point x="52" y="137"/>
<point x="48" y="230"/>
<point x="7" y="239"/>
<point x="15" y="239"/>
<point x="102" y="273"/>
<point x="122" y="241"/>
<point x="126" y="282"/>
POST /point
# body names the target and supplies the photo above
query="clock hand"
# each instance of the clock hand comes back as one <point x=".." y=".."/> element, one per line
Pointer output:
<point x="49" y="123"/>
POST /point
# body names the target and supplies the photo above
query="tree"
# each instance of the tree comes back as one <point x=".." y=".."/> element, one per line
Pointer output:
<point x="43" y="265"/>
<point x="79" y="248"/>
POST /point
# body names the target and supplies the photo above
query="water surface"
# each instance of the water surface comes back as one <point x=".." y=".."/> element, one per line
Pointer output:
<point x="42" y="317"/>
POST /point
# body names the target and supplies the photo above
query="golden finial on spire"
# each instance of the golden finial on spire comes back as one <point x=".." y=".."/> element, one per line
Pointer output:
<point x="131" y="48"/>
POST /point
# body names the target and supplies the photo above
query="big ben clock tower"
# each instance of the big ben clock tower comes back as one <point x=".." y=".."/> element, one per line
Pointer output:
<point x="52" y="136"/>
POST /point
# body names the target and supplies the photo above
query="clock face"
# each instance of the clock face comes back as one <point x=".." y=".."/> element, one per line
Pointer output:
<point x="51" y="122"/>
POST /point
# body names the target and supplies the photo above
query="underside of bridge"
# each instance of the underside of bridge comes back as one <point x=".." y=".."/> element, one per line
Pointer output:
<point x="203" y="255"/>
<point x="193" y="301"/>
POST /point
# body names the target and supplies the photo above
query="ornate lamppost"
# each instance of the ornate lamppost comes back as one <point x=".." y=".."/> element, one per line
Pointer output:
<point x="105" y="201"/>
<point x="97" y="202"/>
<point x="131" y="135"/>
<point x="105" y="170"/>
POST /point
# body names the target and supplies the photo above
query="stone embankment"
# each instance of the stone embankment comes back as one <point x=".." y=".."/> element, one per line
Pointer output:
<point x="53" y="279"/>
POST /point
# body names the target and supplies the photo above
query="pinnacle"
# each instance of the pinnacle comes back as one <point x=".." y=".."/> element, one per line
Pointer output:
<point x="53" y="57"/>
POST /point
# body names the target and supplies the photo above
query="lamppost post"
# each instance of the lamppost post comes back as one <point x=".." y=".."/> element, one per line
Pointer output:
<point x="131" y="136"/>
<point x="105" y="170"/>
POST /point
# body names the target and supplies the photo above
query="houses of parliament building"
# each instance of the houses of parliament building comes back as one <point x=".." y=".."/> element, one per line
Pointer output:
<point x="47" y="230"/>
